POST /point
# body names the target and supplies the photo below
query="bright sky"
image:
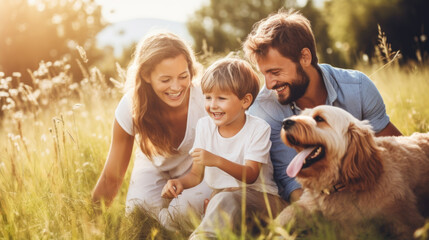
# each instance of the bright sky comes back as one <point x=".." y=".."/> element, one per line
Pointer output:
<point x="176" y="10"/>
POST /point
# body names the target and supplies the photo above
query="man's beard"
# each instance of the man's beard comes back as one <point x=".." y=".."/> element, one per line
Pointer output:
<point x="297" y="88"/>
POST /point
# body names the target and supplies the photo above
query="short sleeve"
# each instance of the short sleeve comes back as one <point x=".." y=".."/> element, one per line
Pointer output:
<point x="259" y="146"/>
<point x="199" y="133"/>
<point x="124" y="114"/>
<point x="373" y="107"/>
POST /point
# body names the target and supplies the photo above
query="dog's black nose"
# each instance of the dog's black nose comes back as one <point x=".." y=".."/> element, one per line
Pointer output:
<point x="288" y="123"/>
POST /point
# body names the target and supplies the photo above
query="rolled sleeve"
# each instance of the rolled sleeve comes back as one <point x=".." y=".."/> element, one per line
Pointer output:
<point x="260" y="145"/>
<point x="124" y="114"/>
<point x="373" y="107"/>
<point x="199" y="132"/>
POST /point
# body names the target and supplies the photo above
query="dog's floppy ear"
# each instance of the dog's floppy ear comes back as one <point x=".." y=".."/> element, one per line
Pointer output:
<point x="361" y="164"/>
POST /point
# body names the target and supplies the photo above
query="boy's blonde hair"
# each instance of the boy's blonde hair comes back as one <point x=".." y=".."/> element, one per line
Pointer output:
<point x="231" y="74"/>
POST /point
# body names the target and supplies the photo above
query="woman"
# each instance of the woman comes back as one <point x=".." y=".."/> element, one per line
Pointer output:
<point x="160" y="111"/>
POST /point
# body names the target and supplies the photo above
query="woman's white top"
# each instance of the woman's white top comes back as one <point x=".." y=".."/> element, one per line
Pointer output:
<point x="175" y="165"/>
<point x="252" y="142"/>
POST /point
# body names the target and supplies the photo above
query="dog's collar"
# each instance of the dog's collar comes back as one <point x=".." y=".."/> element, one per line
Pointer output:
<point x="335" y="188"/>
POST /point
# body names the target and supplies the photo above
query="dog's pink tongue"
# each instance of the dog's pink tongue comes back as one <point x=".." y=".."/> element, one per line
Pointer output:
<point x="296" y="164"/>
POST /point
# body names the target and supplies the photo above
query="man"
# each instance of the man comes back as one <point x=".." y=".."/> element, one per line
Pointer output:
<point x="284" y="49"/>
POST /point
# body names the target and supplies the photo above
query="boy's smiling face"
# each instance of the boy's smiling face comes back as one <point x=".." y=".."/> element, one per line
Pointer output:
<point x="226" y="109"/>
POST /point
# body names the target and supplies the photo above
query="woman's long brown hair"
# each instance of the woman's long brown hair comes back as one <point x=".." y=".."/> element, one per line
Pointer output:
<point x="154" y="133"/>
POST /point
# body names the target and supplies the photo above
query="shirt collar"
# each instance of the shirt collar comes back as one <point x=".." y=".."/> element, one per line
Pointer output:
<point x="328" y="79"/>
<point x="332" y="94"/>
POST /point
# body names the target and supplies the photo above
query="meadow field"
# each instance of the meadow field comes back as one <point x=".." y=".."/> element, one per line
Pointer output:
<point x="55" y="135"/>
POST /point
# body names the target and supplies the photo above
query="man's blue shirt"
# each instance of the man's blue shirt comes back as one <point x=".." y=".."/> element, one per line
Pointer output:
<point x="349" y="89"/>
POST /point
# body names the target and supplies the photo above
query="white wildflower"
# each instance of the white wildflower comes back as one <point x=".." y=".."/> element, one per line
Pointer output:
<point x="44" y="102"/>
<point x="2" y="165"/>
<point x="43" y="138"/>
<point x="10" y="136"/>
<point x="58" y="79"/>
<point x="13" y="92"/>
<point x="77" y="105"/>
<point x="4" y="94"/>
<point x="45" y="85"/>
<point x="18" y="115"/>
<point x="17" y="147"/>
<point x="16" y="74"/>
<point x="56" y="19"/>
<point x="82" y="53"/>
<point x="57" y="63"/>
<point x="73" y="86"/>
<point x="35" y="95"/>
<point x="63" y="101"/>
<point x="10" y="101"/>
<point x="43" y="69"/>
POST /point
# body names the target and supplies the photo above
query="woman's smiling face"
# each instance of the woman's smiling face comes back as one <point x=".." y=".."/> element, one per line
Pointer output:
<point x="170" y="80"/>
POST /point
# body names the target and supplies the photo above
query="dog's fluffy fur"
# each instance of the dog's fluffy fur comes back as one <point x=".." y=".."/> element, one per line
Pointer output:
<point x="380" y="177"/>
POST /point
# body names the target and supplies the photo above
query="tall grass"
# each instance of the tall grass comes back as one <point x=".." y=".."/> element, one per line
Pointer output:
<point x="403" y="87"/>
<point x="405" y="93"/>
<point x="55" y="134"/>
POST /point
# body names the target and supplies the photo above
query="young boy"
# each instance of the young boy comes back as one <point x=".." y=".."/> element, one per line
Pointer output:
<point x="231" y="149"/>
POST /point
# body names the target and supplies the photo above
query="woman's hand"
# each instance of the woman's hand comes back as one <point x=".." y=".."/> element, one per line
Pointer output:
<point x="172" y="189"/>
<point x="205" y="158"/>
<point x="116" y="165"/>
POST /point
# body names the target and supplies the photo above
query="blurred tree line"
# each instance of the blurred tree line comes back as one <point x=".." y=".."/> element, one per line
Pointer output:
<point x="345" y="30"/>
<point x="47" y="30"/>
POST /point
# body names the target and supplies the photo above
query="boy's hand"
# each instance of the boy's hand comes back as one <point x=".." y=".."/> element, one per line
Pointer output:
<point x="205" y="158"/>
<point x="172" y="189"/>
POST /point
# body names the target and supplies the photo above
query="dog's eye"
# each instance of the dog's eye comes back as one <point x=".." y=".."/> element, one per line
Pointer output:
<point x="319" y="119"/>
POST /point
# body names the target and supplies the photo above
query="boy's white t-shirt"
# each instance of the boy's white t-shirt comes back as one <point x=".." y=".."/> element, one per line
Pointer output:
<point x="252" y="142"/>
<point x="176" y="165"/>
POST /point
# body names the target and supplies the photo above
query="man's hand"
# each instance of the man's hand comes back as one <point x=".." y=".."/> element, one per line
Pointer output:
<point x="172" y="189"/>
<point x="205" y="158"/>
<point x="295" y="195"/>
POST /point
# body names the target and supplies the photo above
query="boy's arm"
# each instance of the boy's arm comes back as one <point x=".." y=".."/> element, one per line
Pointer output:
<point x="176" y="186"/>
<point x="247" y="173"/>
<point x="194" y="177"/>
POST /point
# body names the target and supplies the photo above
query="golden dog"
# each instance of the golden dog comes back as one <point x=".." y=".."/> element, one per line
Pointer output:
<point x="349" y="175"/>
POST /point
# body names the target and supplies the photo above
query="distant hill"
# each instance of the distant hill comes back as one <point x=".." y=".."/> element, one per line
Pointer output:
<point x="121" y="34"/>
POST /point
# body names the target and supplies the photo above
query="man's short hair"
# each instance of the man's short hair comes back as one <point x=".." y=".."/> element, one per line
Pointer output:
<point x="286" y="31"/>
